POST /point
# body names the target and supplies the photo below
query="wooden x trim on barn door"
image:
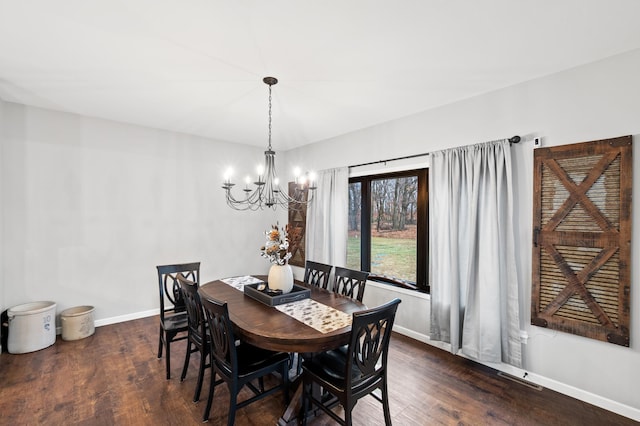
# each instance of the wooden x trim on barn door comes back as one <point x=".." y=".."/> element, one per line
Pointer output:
<point x="578" y="193"/>
<point x="577" y="283"/>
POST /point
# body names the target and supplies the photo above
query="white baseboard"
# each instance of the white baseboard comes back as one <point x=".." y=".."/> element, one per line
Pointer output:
<point x="563" y="388"/>
<point x="410" y="333"/>
<point x="127" y="317"/>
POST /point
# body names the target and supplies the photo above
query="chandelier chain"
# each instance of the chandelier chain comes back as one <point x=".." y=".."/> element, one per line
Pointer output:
<point x="269" y="117"/>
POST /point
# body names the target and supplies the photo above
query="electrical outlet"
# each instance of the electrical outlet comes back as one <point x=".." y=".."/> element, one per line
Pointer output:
<point x="537" y="142"/>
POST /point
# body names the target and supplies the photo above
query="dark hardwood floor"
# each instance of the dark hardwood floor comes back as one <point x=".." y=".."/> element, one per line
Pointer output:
<point x="114" y="378"/>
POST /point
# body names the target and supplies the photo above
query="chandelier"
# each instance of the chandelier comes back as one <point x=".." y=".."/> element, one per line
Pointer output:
<point x="266" y="192"/>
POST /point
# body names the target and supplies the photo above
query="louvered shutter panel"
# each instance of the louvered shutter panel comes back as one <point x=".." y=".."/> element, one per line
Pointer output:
<point x="582" y="239"/>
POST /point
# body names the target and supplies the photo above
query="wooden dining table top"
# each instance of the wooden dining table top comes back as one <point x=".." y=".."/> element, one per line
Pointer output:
<point x="268" y="328"/>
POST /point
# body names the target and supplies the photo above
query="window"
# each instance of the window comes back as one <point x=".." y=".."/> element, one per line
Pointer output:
<point x="388" y="227"/>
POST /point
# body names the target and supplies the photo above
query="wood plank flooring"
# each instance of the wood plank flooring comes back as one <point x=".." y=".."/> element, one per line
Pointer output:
<point x="114" y="378"/>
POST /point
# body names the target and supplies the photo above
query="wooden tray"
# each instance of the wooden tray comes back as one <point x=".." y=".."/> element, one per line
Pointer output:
<point x="272" y="298"/>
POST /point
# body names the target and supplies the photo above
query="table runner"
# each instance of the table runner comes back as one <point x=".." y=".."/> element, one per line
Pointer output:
<point x="317" y="315"/>
<point x="321" y="317"/>
<point x="239" y="282"/>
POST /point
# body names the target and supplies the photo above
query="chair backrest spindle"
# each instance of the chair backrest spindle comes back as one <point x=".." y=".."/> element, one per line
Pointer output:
<point x="350" y="283"/>
<point x="193" y="305"/>
<point x="317" y="274"/>
<point x="368" y="349"/>
<point x="222" y="336"/>
<point x="170" y="288"/>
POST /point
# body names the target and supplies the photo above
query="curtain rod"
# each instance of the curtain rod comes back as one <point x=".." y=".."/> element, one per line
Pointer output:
<point x="514" y="139"/>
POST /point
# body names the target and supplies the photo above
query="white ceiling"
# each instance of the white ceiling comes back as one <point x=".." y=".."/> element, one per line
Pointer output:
<point x="196" y="66"/>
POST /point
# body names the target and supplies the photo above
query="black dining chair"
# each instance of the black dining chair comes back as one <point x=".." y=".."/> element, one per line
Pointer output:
<point x="350" y="283"/>
<point x="239" y="365"/>
<point x="317" y="274"/>
<point x="358" y="373"/>
<point x="198" y="335"/>
<point x="173" y="317"/>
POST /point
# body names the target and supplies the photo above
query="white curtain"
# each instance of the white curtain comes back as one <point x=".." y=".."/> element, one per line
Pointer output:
<point x="327" y="217"/>
<point x="474" y="285"/>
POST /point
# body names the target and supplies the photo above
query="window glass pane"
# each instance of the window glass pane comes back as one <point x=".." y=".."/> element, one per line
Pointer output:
<point x="394" y="227"/>
<point x="353" y="243"/>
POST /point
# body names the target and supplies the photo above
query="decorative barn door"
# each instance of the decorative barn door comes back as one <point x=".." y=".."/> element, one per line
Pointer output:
<point x="297" y="227"/>
<point x="582" y="239"/>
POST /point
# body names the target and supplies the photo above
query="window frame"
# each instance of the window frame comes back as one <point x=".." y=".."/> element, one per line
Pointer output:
<point x="422" y="225"/>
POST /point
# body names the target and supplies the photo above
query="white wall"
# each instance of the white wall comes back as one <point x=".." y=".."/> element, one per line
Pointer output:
<point x="2" y="183"/>
<point x="595" y="101"/>
<point x="90" y="207"/>
<point x="413" y="319"/>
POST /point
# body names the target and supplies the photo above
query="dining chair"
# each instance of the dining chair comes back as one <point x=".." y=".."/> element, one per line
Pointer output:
<point x="197" y="333"/>
<point x="317" y="274"/>
<point x="358" y="373"/>
<point x="350" y="283"/>
<point x="238" y="365"/>
<point x="173" y="317"/>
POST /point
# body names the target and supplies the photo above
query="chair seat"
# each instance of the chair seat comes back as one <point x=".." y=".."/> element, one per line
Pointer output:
<point x="330" y="367"/>
<point x="177" y="321"/>
<point x="252" y="358"/>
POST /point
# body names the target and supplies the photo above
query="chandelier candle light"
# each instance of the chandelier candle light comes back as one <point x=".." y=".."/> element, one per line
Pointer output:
<point x="267" y="191"/>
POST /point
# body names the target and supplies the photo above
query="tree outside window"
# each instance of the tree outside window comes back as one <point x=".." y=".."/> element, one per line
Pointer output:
<point x="388" y="227"/>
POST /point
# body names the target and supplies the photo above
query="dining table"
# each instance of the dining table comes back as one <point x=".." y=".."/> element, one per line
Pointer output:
<point x="269" y="327"/>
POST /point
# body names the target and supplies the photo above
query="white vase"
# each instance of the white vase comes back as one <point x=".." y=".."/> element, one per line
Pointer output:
<point x="280" y="278"/>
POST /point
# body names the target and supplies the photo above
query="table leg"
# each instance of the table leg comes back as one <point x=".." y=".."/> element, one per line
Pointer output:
<point x="290" y="416"/>
<point x="294" y="409"/>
